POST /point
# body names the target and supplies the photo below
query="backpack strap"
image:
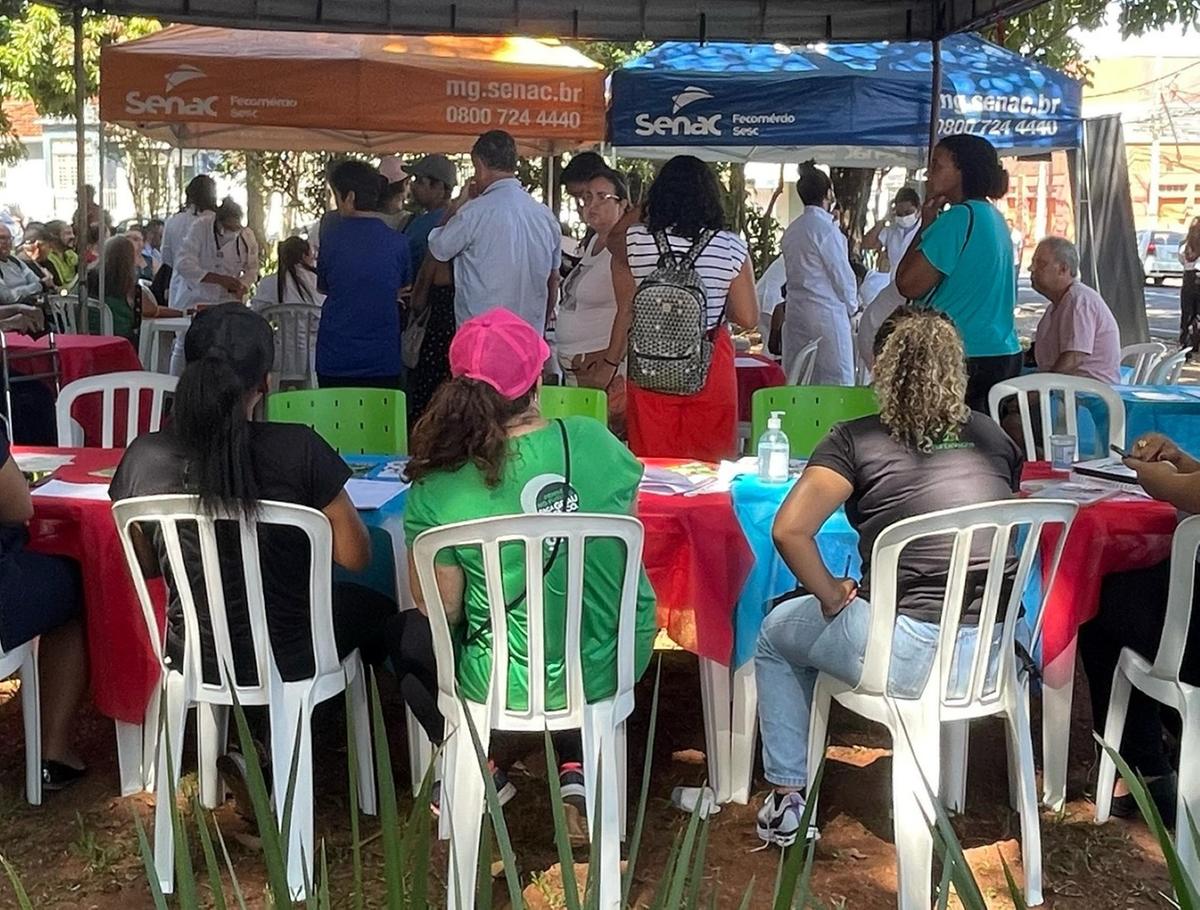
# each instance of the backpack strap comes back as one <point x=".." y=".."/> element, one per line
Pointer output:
<point x="665" y="252"/>
<point x="698" y="247"/>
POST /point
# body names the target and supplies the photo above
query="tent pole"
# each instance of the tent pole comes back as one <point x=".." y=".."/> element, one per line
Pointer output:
<point x="935" y="102"/>
<point x="80" y="153"/>
<point x="101" y="233"/>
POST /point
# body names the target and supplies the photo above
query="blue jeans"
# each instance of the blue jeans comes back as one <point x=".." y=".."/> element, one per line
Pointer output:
<point x="797" y="642"/>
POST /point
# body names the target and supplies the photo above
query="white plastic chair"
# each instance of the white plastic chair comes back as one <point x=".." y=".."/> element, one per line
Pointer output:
<point x="1052" y="385"/>
<point x="1160" y="681"/>
<point x="296" y="326"/>
<point x="1170" y="369"/>
<point x="23" y="660"/>
<point x="63" y="314"/>
<point x="801" y="370"/>
<point x="601" y="724"/>
<point x="1144" y="358"/>
<point x="290" y="703"/>
<point x="105" y="315"/>
<point x="133" y="384"/>
<point x="918" y="725"/>
<point x="150" y="340"/>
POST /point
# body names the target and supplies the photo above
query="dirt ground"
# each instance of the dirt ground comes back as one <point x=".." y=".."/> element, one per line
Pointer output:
<point x="79" y="849"/>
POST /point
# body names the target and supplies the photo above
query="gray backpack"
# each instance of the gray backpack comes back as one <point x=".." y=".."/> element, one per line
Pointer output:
<point x="669" y="345"/>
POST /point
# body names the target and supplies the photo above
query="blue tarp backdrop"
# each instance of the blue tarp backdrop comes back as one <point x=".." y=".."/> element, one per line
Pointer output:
<point x="843" y="104"/>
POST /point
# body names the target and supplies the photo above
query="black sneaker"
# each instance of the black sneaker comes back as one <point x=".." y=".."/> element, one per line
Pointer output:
<point x="1163" y="790"/>
<point x="504" y="790"/>
<point x="779" y="818"/>
<point x="58" y="776"/>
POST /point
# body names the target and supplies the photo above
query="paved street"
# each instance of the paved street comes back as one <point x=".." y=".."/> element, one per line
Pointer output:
<point x="1162" y="309"/>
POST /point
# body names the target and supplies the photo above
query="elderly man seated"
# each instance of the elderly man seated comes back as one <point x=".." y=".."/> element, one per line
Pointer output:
<point x="1078" y="334"/>
<point x="18" y="283"/>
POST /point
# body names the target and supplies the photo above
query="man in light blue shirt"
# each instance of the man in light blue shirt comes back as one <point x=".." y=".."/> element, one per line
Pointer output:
<point x="505" y="245"/>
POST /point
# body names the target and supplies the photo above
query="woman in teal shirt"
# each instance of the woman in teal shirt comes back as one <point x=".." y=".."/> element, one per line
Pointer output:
<point x="961" y="261"/>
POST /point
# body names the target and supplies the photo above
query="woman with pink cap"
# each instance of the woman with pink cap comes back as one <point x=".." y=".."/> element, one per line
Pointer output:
<point x="482" y="450"/>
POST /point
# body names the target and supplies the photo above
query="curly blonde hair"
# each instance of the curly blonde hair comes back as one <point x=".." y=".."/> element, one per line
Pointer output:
<point x="921" y="379"/>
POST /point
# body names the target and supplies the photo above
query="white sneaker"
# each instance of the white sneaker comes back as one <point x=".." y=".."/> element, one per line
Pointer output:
<point x="779" y="819"/>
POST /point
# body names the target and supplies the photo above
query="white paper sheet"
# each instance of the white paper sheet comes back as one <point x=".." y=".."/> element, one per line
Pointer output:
<point x="31" y="462"/>
<point x="61" y="489"/>
<point x="368" y="495"/>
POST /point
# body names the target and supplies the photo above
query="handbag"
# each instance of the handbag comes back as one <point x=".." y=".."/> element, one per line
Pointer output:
<point x="414" y="336"/>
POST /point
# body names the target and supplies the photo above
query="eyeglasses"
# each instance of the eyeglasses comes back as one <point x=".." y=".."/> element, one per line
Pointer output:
<point x="589" y="198"/>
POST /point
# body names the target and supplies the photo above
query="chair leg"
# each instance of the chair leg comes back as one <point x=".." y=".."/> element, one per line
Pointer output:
<point x="599" y="735"/>
<point x="368" y="801"/>
<point x="1188" y="800"/>
<point x="291" y="710"/>
<point x="745" y="726"/>
<point x="420" y="751"/>
<point x="622" y="753"/>
<point x="718" y="707"/>
<point x="818" y="729"/>
<point x="916" y="779"/>
<point x="150" y="738"/>
<point x="955" y="751"/>
<point x="1058" y="690"/>
<point x="169" y="758"/>
<point x="212" y="737"/>
<point x="31" y="714"/>
<point x="1020" y="760"/>
<point x="462" y="806"/>
<point x="1114" y="729"/>
<point x="130" y="757"/>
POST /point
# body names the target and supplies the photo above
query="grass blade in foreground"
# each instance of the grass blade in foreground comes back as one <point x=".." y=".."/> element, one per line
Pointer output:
<point x="352" y="771"/>
<point x="393" y="862"/>
<point x="678" y="874"/>
<point x="160" y="902"/>
<point x="210" y="856"/>
<point x="562" y="840"/>
<point x="1014" y="891"/>
<point x="22" y="897"/>
<point x="788" y="887"/>
<point x="635" y="841"/>
<point x="264" y="817"/>
<point x="233" y="879"/>
<point x="185" y="875"/>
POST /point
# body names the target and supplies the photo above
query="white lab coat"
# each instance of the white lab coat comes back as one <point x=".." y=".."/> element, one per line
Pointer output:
<point x="822" y="295"/>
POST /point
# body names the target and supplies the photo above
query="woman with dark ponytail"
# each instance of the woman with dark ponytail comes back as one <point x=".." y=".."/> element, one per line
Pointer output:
<point x="214" y="449"/>
<point x="961" y="261"/>
<point x="295" y="281"/>
<point x="482" y="450"/>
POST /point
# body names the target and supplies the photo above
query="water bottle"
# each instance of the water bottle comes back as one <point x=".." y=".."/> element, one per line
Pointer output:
<point x="774" y="452"/>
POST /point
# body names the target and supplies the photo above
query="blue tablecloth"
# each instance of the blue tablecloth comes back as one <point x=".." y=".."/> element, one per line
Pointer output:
<point x="386" y="528"/>
<point x="755" y="504"/>
<point x="1170" y="409"/>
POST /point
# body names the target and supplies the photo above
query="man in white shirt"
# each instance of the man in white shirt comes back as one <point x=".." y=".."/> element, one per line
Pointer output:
<point x="770" y="292"/>
<point x="217" y="263"/>
<point x="892" y="239"/>
<point x="822" y="293"/>
<point x="504" y="244"/>
<point x="18" y="283"/>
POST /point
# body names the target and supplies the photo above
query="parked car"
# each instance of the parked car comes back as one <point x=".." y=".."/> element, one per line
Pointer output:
<point x="1159" y="251"/>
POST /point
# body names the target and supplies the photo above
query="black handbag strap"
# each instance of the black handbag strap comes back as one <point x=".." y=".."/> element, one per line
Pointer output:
<point x="967" y="239"/>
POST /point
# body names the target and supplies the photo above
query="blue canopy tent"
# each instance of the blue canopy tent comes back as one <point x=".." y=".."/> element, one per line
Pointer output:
<point x="864" y="105"/>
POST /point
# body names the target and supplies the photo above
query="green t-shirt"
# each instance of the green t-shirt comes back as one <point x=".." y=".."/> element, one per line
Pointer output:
<point x="604" y="479"/>
<point x="979" y="287"/>
<point x="122" y="314"/>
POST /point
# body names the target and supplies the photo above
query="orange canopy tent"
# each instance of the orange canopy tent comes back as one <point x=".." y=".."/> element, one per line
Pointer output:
<point x="200" y="87"/>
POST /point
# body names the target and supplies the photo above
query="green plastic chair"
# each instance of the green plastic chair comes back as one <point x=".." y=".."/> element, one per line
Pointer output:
<point x="353" y="421"/>
<point x="572" y="401"/>
<point x="808" y="412"/>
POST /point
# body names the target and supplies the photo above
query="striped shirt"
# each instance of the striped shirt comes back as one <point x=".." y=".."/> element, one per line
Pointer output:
<point x="717" y="265"/>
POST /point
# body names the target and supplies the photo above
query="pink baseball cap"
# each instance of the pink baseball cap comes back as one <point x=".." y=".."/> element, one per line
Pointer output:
<point x="500" y="348"/>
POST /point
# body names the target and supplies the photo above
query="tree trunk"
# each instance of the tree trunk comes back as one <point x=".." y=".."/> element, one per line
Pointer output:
<point x="737" y="192"/>
<point x="256" y="203"/>
<point x="852" y="186"/>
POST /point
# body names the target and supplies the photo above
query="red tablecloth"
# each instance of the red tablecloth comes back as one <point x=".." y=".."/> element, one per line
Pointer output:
<point x="123" y="669"/>
<point x="80" y="356"/>
<point x="698" y="560"/>
<point x="1113" y="535"/>
<point x="695" y="555"/>
<point x="754" y="372"/>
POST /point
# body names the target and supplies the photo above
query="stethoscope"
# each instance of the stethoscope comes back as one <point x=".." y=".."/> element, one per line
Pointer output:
<point x="238" y="238"/>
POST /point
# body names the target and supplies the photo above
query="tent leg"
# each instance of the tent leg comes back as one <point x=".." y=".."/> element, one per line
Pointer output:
<point x="80" y="152"/>
<point x="935" y="100"/>
<point x="103" y="233"/>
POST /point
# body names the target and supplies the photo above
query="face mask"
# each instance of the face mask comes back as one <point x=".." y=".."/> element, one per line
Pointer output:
<point x="907" y="221"/>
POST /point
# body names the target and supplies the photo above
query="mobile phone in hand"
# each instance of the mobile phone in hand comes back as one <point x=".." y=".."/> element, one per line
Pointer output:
<point x="1119" y="450"/>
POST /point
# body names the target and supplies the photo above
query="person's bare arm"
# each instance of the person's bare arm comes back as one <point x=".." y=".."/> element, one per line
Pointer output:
<point x="16" y="505"/>
<point x="551" y="295"/>
<point x="351" y="542"/>
<point x="1162" y="481"/>
<point x="1157" y="447"/>
<point x="815" y="497"/>
<point x="775" y="338"/>
<point x="451" y="584"/>
<point x="741" y="305"/>
<point x="1068" y="362"/>
<point x="624" y="287"/>
<point x="871" y="239"/>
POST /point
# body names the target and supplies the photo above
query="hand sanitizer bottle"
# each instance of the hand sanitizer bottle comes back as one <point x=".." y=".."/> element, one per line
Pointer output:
<point x="774" y="451"/>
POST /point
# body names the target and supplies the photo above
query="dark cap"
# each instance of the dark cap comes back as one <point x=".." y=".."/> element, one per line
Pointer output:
<point x="436" y="167"/>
